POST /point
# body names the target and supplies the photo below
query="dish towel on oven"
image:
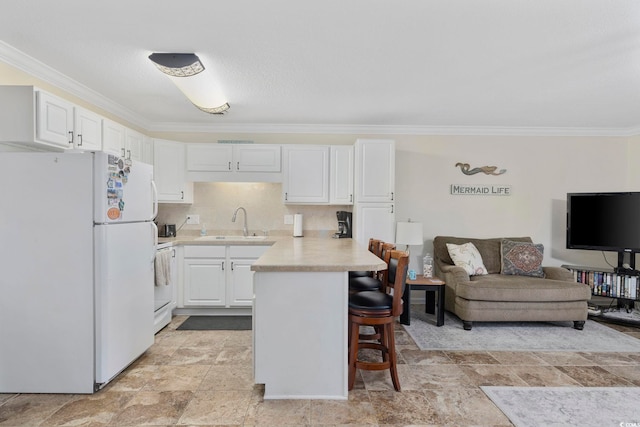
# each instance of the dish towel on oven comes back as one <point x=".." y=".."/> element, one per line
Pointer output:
<point x="163" y="267"/>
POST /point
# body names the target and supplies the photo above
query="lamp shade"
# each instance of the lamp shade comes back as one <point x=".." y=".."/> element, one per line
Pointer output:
<point x="409" y="233"/>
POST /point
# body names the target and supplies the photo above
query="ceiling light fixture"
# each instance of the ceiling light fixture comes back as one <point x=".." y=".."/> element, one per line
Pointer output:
<point x="188" y="74"/>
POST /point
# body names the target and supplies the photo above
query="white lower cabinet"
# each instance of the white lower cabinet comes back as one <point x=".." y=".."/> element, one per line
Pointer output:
<point x="204" y="276"/>
<point x="219" y="276"/>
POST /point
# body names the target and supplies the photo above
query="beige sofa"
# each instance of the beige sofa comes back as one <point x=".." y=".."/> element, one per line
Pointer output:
<point x="500" y="297"/>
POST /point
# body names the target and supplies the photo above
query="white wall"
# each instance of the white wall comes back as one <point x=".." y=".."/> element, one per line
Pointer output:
<point x="540" y="171"/>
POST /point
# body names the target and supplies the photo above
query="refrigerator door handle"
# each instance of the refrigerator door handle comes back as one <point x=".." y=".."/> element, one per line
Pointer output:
<point x="154" y="231"/>
<point x="155" y="201"/>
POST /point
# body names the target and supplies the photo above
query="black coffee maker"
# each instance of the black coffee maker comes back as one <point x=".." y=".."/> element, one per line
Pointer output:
<point x="344" y="225"/>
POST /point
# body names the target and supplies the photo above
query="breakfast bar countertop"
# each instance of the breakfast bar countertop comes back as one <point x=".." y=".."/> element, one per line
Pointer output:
<point x="317" y="254"/>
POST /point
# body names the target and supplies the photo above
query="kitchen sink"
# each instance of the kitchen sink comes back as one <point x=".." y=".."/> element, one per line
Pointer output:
<point x="215" y="238"/>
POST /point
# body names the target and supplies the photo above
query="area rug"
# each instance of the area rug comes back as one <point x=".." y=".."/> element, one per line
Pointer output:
<point x="567" y="406"/>
<point x="210" y="323"/>
<point x="516" y="336"/>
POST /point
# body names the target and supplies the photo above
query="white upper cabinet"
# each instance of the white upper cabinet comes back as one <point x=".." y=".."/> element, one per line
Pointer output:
<point x="375" y="170"/>
<point x="234" y="162"/>
<point x="113" y="137"/>
<point x="35" y="118"/>
<point x="341" y="175"/>
<point x="306" y="174"/>
<point x="169" y="172"/>
<point x="54" y="120"/>
<point x="209" y="158"/>
<point x="88" y="130"/>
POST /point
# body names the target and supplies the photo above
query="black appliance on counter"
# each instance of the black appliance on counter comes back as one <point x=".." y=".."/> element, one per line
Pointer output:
<point x="167" y="230"/>
<point x="344" y="225"/>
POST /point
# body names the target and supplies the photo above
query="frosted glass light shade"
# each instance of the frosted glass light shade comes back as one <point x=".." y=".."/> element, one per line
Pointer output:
<point x="409" y="233"/>
<point x="189" y="75"/>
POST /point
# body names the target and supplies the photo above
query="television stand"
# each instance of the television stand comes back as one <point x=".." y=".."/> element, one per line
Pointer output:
<point x="624" y="268"/>
<point x="615" y="295"/>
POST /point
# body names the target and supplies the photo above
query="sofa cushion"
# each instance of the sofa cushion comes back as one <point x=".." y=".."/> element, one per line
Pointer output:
<point x="489" y="249"/>
<point x="522" y="258"/>
<point x="467" y="257"/>
<point x="500" y="287"/>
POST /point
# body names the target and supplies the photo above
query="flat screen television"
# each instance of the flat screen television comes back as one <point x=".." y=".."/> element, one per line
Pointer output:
<point x="605" y="222"/>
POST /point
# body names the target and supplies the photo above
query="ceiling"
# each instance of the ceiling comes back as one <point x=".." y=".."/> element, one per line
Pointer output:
<point x="410" y="66"/>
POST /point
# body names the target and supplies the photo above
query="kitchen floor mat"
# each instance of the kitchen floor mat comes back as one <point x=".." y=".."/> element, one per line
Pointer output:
<point x="210" y="323"/>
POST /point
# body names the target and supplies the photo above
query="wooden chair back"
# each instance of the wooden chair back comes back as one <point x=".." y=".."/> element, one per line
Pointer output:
<point x="398" y="265"/>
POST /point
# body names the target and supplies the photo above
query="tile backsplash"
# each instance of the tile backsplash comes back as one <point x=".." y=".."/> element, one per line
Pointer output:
<point x="215" y="202"/>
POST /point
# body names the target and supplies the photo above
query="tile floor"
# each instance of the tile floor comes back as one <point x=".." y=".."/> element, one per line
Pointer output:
<point x="203" y="378"/>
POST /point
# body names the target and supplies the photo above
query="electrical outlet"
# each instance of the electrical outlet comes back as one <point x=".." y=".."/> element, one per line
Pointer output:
<point x="288" y="219"/>
<point x="193" y="219"/>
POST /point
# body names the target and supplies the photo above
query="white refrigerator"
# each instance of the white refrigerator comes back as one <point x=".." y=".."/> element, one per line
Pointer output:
<point x="77" y="246"/>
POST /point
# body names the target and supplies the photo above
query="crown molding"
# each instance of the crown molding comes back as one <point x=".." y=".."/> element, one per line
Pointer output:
<point x="390" y="130"/>
<point x="42" y="71"/>
<point x="37" y="69"/>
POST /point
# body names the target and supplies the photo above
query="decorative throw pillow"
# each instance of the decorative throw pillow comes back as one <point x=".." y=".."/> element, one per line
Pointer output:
<point x="522" y="258"/>
<point x="467" y="257"/>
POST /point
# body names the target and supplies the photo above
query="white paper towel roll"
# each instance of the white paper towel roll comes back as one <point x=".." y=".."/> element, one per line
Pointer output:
<point x="297" y="225"/>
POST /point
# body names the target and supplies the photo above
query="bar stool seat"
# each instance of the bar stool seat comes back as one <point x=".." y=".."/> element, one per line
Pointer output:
<point x="379" y="310"/>
<point x="373" y="280"/>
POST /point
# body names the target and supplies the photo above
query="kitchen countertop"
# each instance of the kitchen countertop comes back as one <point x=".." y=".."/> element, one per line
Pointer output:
<point x="212" y="240"/>
<point x="317" y="254"/>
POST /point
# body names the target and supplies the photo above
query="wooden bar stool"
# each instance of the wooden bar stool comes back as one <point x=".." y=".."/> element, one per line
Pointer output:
<point x="373" y="281"/>
<point x="379" y="310"/>
<point x="374" y="248"/>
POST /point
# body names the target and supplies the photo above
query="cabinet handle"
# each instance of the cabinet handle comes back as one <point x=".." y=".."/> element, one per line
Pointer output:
<point x="123" y="153"/>
<point x="173" y="253"/>
<point x="222" y="265"/>
<point x="238" y="166"/>
<point x="129" y="155"/>
<point x="231" y="266"/>
<point x="229" y="165"/>
<point x="79" y="140"/>
<point x="286" y="196"/>
<point x="351" y="198"/>
<point x="392" y="196"/>
<point x="70" y="137"/>
<point x="182" y="195"/>
<point x="391" y="208"/>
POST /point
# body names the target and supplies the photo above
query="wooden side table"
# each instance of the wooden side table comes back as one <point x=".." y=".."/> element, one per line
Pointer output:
<point x="431" y="286"/>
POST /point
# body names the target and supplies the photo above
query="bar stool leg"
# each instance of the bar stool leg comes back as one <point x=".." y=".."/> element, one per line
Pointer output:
<point x="354" y="330"/>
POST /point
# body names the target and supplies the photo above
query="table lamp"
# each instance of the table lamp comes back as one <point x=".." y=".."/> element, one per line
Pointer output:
<point x="409" y="233"/>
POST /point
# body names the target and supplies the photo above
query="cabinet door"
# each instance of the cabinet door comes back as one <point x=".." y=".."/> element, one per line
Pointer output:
<point x="204" y="282"/>
<point x="209" y="157"/>
<point x="241" y="283"/>
<point x="54" y="120"/>
<point x="88" y="130"/>
<point x="133" y="144"/>
<point x="341" y="175"/>
<point x="306" y="174"/>
<point x="146" y="153"/>
<point x="169" y="173"/>
<point x="375" y="170"/>
<point x="257" y="158"/>
<point x="113" y="137"/>
<point x="375" y="220"/>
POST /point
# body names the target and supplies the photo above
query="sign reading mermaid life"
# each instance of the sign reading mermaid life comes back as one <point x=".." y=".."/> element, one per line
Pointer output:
<point x="480" y="190"/>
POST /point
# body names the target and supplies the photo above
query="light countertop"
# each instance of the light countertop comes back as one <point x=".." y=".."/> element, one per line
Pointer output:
<point x="317" y="254"/>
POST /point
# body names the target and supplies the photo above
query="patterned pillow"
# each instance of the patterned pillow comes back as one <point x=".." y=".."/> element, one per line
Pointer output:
<point x="522" y="258"/>
<point x="467" y="257"/>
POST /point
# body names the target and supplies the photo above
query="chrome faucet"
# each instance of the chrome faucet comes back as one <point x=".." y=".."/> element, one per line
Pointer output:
<point x="245" y="232"/>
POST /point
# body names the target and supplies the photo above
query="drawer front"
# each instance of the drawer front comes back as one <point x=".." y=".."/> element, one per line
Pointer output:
<point x="247" y="251"/>
<point x="204" y="251"/>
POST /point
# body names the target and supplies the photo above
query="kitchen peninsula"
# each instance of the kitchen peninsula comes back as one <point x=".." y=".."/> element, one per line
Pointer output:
<point x="300" y="316"/>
